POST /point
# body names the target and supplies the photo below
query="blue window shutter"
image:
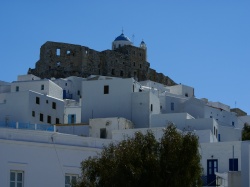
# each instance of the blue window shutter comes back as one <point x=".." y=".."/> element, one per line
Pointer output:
<point x="69" y="119"/>
<point x="233" y="164"/>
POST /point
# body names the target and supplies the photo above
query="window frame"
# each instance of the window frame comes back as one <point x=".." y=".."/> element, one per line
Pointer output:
<point x="16" y="181"/>
<point x="71" y="176"/>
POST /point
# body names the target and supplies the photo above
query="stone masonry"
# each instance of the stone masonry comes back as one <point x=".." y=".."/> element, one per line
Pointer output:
<point x="61" y="60"/>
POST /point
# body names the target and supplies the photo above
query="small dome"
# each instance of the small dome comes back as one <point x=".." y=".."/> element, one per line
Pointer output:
<point x="142" y="42"/>
<point x="122" y="37"/>
<point x="143" y="45"/>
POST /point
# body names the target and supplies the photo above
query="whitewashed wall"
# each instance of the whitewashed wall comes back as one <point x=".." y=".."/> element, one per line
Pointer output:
<point x="50" y="88"/>
<point x="44" y="157"/>
<point x="117" y="103"/>
<point x="109" y="124"/>
<point x="222" y="151"/>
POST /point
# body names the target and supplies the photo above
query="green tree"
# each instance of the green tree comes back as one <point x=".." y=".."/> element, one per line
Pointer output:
<point x="174" y="161"/>
<point x="246" y="132"/>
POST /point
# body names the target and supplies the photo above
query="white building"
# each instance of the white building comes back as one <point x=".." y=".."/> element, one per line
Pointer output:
<point x="38" y="158"/>
<point x="107" y="109"/>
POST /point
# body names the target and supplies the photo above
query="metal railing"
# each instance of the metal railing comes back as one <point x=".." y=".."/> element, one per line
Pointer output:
<point x="27" y="126"/>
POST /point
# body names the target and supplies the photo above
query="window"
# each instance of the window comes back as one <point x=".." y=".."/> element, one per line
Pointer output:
<point x="16" y="178"/>
<point x="37" y="100"/>
<point x="113" y="72"/>
<point x="151" y="107"/>
<point x="106" y="89"/>
<point x="172" y="106"/>
<point x="140" y="65"/>
<point x="233" y="164"/>
<point x="54" y="105"/>
<point x="17" y="88"/>
<point x="70" y="179"/>
<point x="68" y="52"/>
<point x="47" y="101"/>
<point x="57" y="121"/>
<point x="103" y="133"/>
<point x="71" y="118"/>
<point x="58" y="52"/>
<point x="134" y="63"/>
<point x="186" y="94"/>
<point x="42" y="87"/>
<point x="41" y="117"/>
<point x="58" y="64"/>
<point x="65" y="84"/>
<point x="78" y="92"/>
<point x="33" y="113"/>
<point x="232" y="123"/>
<point x="48" y="119"/>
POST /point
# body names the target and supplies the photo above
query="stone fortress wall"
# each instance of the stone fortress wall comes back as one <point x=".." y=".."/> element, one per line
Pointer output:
<point x="61" y="60"/>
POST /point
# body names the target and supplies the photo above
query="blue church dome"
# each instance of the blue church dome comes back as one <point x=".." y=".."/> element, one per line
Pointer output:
<point x="122" y="37"/>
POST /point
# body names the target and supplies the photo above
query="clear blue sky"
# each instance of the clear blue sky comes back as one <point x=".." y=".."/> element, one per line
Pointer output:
<point x="200" y="43"/>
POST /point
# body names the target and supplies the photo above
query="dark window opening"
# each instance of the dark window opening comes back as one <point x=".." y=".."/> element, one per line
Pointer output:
<point x="151" y="107"/>
<point x="42" y="87"/>
<point x="37" y="100"/>
<point x="133" y="88"/>
<point x="103" y="133"/>
<point x="48" y="119"/>
<point x="47" y="101"/>
<point x="57" y="121"/>
<point x="54" y="105"/>
<point x="134" y="63"/>
<point x="78" y="92"/>
<point x="121" y="73"/>
<point x="41" y="117"/>
<point x="113" y="71"/>
<point x="140" y="65"/>
<point x="33" y="113"/>
<point x="17" y="88"/>
<point x="186" y="94"/>
<point x="106" y="89"/>
<point x="232" y="123"/>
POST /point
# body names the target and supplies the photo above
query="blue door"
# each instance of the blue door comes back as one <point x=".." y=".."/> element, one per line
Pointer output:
<point x="212" y="167"/>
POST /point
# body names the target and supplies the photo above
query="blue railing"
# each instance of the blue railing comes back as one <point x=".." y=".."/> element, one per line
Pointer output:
<point x="28" y="126"/>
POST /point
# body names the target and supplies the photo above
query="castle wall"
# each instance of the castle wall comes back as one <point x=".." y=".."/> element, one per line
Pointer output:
<point x="61" y="60"/>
